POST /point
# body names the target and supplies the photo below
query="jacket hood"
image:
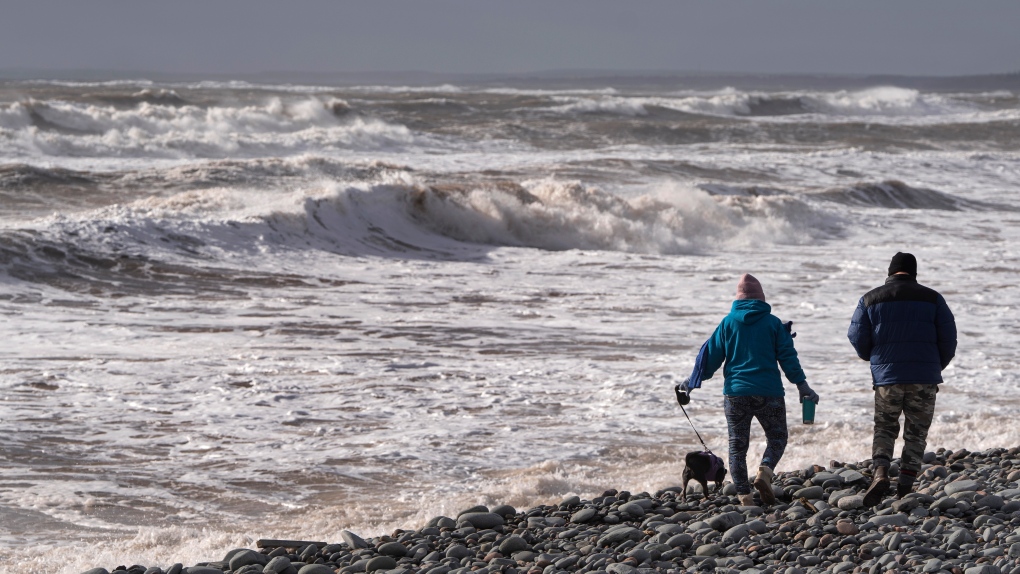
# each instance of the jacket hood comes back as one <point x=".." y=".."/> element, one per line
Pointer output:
<point x="749" y="311"/>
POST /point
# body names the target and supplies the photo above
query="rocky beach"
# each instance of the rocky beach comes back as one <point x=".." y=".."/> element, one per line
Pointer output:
<point x="963" y="518"/>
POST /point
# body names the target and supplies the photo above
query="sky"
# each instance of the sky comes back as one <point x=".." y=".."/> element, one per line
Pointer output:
<point x="240" y="37"/>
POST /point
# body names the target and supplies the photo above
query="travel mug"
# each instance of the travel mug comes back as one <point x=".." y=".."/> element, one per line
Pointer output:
<point x="808" y="411"/>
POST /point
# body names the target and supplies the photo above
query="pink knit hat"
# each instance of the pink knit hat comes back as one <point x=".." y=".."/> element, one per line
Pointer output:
<point x="749" y="288"/>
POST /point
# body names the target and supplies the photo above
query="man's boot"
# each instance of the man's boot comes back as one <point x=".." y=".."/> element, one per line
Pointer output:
<point x="763" y="484"/>
<point x="905" y="483"/>
<point x="746" y="499"/>
<point x="879" y="486"/>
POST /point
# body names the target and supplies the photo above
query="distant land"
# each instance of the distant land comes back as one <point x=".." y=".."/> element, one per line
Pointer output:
<point x="548" y="79"/>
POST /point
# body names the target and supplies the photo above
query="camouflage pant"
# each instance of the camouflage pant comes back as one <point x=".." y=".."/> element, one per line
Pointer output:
<point x="917" y="404"/>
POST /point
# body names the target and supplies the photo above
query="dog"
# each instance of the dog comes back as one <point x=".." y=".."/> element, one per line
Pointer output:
<point x="703" y="467"/>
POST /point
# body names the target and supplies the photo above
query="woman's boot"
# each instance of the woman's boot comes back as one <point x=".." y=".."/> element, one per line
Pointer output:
<point x="763" y="483"/>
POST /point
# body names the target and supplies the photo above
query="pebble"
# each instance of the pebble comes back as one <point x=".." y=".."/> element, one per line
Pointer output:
<point x="355" y="541"/>
<point x="583" y="515"/>
<point x="851" y="502"/>
<point x="707" y="550"/>
<point x="482" y="520"/>
<point x="961" y="486"/>
<point x="726" y="520"/>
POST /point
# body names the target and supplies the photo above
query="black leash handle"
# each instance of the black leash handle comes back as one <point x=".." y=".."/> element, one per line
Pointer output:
<point x="696" y="430"/>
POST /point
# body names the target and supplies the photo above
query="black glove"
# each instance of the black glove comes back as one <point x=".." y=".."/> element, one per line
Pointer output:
<point x="807" y="393"/>
<point x="683" y="394"/>
<point x="789" y="329"/>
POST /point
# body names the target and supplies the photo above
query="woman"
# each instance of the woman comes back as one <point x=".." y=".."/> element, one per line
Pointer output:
<point x="752" y="342"/>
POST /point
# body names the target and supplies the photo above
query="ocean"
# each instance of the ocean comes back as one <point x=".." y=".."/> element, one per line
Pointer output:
<point x="235" y="310"/>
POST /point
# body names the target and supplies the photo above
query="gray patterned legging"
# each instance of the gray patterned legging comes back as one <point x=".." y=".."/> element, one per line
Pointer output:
<point x="771" y="414"/>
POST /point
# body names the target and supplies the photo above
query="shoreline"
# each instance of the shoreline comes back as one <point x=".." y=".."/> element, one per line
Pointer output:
<point x="963" y="517"/>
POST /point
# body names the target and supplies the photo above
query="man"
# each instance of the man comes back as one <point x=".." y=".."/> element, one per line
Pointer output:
<point x="908" y="333"/>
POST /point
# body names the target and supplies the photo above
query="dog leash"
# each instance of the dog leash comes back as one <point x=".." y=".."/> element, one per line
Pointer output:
<point x="696" y="430"/>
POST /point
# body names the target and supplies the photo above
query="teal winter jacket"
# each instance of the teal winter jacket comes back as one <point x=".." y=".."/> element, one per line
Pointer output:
<point x="753" y="344"/>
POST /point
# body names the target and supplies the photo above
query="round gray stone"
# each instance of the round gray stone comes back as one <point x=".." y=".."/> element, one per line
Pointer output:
<point x="891" y="520"/>
<point x="315" y="569"/>
<point x="482" y="520"/>
<point x="735" y="534"/>
<point x="244" y="558"/>
<point x="618" y="535"/>
<point x="459" y="551"/>
<point x="682" y="540"/>
<point x="438" y="522"/>
<point x="97" y="571"/>
<point x="503" y="510"/>
<point x="821" y="477"/>
<point x="380" y="563"/>
<point x="811" y="492"/>
<point x="964" y="485"/>
<point x="726" y="520"/>
<point x="992" y="501"/>
<point x="393" y="549"/>
<point x="851" y="476"/>
<point x="353" y="540"/>
<point x="512" y="544"/>
<point x="708" y="550"/>
<point x="277" y="565"/>
<point x="473" y="509"/>
<point x="617" y="568"/>
<point x="633" y="509"/>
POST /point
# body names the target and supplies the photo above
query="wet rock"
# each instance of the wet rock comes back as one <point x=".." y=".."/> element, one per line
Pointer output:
<point x="682" y="540"/>
<point x="961" y="486"/>
<point x="278" y="565"/>
<point x="482" y="520"/>
<point x="633" y="509"/>
<point x="726" y="520"/>
<point x="905" y="504"/>
<point x="512" y="544"/>
<point x="735" y="534"/>
<point x="583" y="515"/>
<point x="851" y="502"/>
<point x="355" y="541"/>
<point x="708" y="550"/>
<point x="811" y="493"/>
<point x="847" y="528"/>
<point x="393" y="549"/>
<point x="890" y="520"/>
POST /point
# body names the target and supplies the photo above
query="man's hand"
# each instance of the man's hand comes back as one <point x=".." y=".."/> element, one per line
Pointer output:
<point x="806" y="393"/>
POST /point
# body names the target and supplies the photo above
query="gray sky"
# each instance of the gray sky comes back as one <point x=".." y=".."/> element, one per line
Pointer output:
<point x="224" y="37"/>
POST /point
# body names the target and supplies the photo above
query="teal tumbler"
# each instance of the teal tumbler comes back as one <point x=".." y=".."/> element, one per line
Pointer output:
<point x="808" y="411"/>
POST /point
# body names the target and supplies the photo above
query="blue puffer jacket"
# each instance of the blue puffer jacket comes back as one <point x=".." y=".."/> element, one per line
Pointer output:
<point x="754" y="344"/>
<point x="907" y="332"/>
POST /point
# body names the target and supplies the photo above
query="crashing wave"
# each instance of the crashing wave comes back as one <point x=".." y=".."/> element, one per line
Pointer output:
<point x="895" y="194"/>
<point x="180" y="130"/>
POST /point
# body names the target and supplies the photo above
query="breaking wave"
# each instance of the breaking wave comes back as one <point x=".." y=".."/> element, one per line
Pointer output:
<point x="894" y="194"/>
<point x="872" y="104"/>
<point x="155" y="127"/>
<point x="222" y="227"/>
